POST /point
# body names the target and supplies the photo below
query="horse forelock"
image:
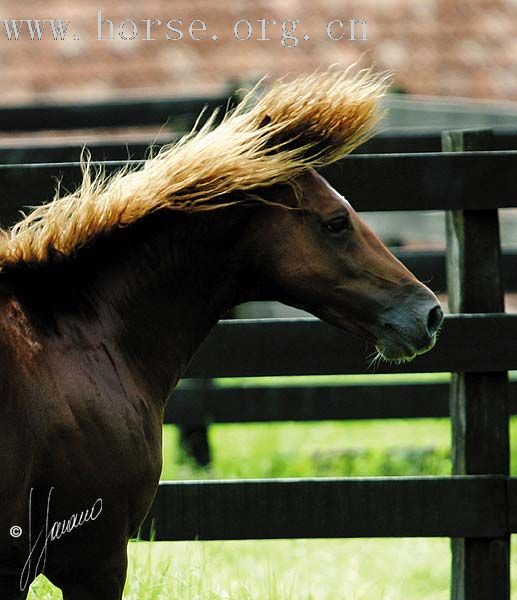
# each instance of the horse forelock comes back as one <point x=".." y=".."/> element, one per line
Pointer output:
<point x="309" y="122"/>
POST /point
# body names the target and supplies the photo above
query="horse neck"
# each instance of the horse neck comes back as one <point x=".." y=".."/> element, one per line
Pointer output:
<point x="150" y="294"/>
<point x="187" y="277"/>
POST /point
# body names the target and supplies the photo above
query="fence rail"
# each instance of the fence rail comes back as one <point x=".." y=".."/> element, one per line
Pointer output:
<point x="109" y="113"/>
<point x="264" y="347"/>
<point x="329" y="508"/>
<point x="379" y="182"/>
<point x="197" y="405"/>
<point x="392" y="141"/>
<point x="412" y="139"/>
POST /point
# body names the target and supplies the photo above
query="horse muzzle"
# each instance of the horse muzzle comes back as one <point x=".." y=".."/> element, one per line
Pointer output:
<point x="409" y="330"/>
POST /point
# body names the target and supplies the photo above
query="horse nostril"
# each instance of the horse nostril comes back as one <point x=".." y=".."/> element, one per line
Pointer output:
<point x="434" y="320"/>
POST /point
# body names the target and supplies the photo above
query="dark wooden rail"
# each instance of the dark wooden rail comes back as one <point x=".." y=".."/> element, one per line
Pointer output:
<point x="392" y="141"/>
<point x="250" y="348"/>
<point x="70" y="151"/>
<point x="428" y="140"/>
<point x="328" y="508"/>
<point x="197" y="405"/>
<point x="109" y="113"/>
<point x="381" y="182"/>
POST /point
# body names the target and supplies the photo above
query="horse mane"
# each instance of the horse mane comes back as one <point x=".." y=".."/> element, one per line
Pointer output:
<point x="309" y="122"/>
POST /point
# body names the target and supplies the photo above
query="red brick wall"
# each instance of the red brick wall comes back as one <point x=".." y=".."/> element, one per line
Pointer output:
<point x="454" y="47"/>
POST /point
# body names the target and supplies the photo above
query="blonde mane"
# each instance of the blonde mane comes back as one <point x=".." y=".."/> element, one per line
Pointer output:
<point x="310" y="122"/>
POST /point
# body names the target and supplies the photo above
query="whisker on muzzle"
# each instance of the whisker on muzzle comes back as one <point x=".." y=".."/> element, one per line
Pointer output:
<point x="374" y="360"/>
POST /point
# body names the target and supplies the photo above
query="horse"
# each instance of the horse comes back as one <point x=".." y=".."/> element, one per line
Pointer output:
<point x="107" y="292"/>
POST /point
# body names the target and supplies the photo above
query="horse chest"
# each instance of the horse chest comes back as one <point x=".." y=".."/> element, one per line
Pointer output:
<point x="93" y="440"/>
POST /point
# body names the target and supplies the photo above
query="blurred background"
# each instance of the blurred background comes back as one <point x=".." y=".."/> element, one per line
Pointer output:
<point x="465" y="48"/>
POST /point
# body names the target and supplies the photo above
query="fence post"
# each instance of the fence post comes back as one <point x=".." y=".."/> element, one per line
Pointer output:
<point x="478" y="401"/>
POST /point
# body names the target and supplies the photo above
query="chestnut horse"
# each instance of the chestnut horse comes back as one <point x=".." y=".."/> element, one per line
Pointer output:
<point x="106" y="294"/>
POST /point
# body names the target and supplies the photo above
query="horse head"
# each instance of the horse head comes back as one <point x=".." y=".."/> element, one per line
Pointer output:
<point x="313" y="251"/>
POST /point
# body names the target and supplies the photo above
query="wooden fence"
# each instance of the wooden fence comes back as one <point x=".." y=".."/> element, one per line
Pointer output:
<point x="198" y="403"/>
<point x="107" y="114"/>
<point x="477" y="506"/>
<point x="105" y="148"/>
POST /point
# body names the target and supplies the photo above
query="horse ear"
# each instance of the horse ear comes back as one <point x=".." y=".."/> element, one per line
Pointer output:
<point x="265" y="121"/>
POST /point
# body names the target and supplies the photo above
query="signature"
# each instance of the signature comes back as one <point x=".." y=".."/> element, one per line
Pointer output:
<point x="50" y="533"/>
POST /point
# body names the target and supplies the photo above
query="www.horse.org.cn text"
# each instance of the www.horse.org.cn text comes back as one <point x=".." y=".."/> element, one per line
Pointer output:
<point x="290" y="33"/>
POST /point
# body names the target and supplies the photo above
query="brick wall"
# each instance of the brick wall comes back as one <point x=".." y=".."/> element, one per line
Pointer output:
<point x="446" y="47"/>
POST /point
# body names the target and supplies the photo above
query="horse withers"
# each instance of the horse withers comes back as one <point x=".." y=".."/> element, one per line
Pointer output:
<point x="106" y="294"/>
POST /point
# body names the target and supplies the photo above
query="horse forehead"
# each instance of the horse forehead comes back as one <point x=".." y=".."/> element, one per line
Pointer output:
<point x="328" y="195"/>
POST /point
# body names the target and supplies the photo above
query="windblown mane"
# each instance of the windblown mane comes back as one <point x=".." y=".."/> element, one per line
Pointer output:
<point x="310" y="122"/>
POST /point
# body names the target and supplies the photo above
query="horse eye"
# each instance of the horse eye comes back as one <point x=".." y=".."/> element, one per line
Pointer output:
<point x="338" y="224"/>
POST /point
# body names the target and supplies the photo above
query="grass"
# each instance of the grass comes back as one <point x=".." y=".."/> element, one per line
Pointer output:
<point x="370" y="448"/>
<point x="284" y="570"/>
<point x="373" y="569"/>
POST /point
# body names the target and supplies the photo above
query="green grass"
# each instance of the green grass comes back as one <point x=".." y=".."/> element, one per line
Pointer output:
<point x="318" y="449"/>
<point x="284" y="570"/>
<point x="374" y="569"/>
